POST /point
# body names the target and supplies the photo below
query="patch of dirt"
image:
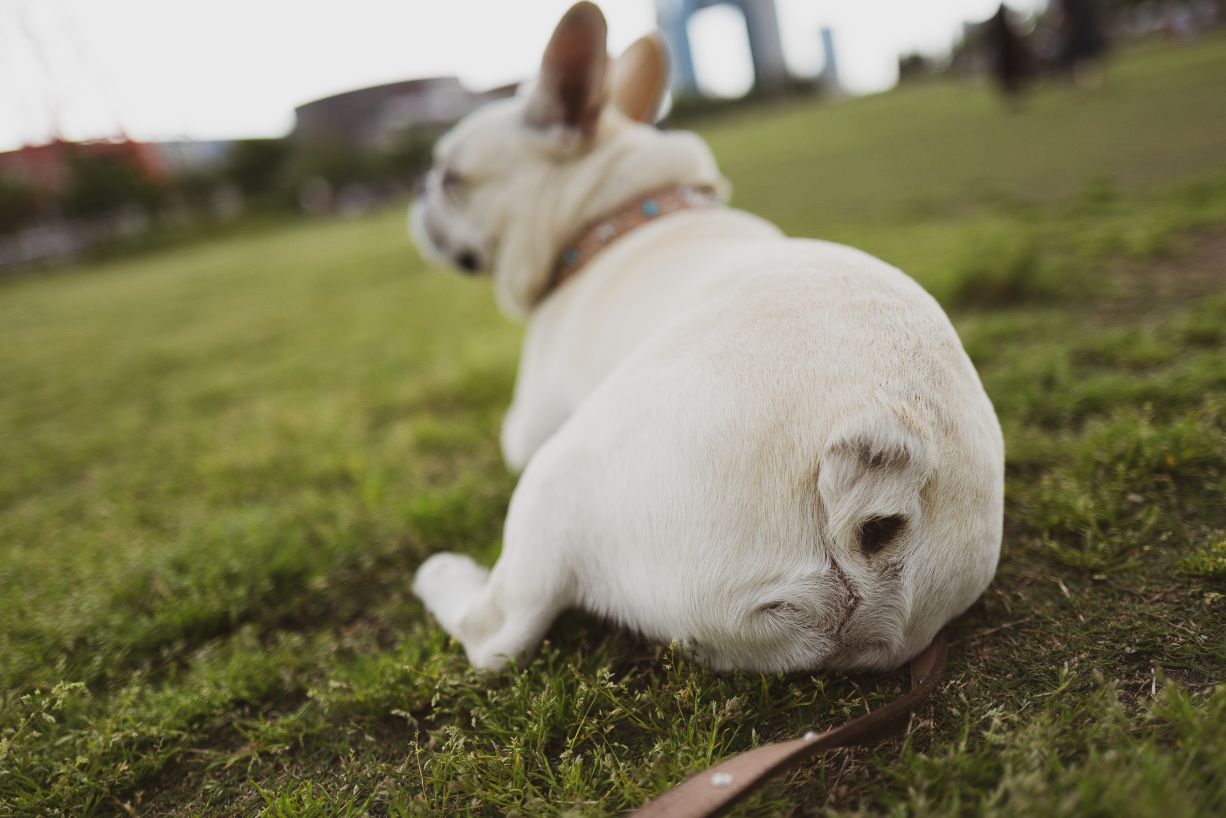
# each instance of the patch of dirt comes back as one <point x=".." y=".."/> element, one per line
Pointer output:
<point x="1196" y="270"/>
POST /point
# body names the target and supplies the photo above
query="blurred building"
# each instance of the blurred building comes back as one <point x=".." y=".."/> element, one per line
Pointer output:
<point x="371" y="119"/>
<point x="761" y="25"/>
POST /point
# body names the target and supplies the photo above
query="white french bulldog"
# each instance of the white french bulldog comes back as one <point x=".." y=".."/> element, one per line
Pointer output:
<point x="772" y="451"/>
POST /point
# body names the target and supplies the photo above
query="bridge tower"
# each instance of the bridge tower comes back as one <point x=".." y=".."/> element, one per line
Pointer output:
<point x="761" y="24"/>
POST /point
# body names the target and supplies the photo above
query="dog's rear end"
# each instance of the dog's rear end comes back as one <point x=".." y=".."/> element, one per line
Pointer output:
<point x="801" y="470"/>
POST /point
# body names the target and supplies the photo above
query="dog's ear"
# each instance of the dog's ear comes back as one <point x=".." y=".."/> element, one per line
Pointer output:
<point x="640" y="78"/>
<point x="571" y="90"/>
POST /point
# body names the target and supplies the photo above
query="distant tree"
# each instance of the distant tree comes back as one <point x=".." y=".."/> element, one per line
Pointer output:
<point x="258" y="166"/>
<point x="194" y="188"/>
<point x="340" y="164"/>
<point x="19" y="205"/>
<point x="411" y="152"/>
<point x="100" y="184"/>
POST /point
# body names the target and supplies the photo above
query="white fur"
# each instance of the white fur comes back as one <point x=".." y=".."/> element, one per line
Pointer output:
<point x="705" y="416"/>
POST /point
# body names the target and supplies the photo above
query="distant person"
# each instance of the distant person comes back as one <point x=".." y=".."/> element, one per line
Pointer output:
<point x="1011" y="63"/>
<point x="1082" y="41"/>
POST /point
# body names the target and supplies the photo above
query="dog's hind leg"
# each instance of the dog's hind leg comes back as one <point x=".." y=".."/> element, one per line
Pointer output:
<point x="496" y="615"/>
<point x="500" y="614"/>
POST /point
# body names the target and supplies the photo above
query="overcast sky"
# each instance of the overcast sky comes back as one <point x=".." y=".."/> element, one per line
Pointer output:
<point x="164" y="69"/>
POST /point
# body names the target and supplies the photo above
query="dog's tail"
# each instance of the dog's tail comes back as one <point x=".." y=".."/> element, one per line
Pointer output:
<point x="870" y="482"/>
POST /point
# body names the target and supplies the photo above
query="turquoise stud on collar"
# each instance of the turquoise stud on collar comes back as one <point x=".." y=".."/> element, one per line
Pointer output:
<point x="635" y="213"/>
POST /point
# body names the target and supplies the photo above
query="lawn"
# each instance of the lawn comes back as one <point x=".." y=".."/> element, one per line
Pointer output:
<point x="221" y="463"/>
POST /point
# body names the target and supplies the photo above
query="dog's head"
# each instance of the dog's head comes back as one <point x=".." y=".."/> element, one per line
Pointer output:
<point x="513" y="181"/>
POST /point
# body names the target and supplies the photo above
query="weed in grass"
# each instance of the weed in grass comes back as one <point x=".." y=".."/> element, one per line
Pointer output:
<point x="1209" y="562"/>
<point x="1119" y="478"/>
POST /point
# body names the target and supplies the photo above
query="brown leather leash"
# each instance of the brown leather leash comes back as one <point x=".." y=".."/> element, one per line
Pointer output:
<point x="715" y="790"/>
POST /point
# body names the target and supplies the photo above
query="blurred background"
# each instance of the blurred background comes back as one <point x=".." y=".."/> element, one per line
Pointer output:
<point x="237" y="410"/>
<point x="123" y="120"/>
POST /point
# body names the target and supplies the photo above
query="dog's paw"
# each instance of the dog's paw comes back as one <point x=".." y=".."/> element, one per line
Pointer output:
<point x="484" y="659"/>
<point x="449" y="574"/>
<point x="446" y="584"/>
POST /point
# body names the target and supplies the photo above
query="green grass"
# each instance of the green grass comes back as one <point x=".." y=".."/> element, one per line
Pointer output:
<point x="221" y="463"/>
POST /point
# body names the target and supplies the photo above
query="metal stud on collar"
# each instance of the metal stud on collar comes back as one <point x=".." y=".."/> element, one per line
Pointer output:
<point x="633" y="214"/>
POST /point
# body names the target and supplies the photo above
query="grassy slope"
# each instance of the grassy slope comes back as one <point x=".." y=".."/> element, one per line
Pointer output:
<point x="221" y="463"/>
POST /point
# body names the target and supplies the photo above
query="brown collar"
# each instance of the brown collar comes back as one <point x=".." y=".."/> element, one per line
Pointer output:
<point x="599" y="234"/>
